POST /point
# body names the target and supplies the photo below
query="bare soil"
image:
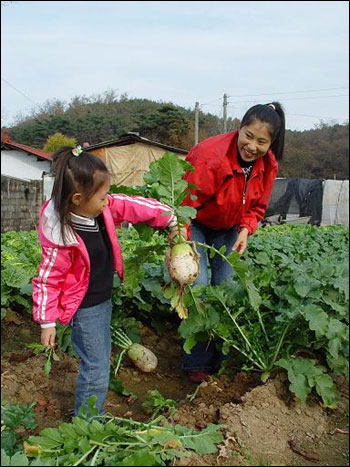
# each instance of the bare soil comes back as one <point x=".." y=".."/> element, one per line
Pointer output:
<point x="262" y="425"/>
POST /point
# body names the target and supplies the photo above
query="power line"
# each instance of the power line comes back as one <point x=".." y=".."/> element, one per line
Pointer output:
<point x="20" y="92"/>
<point x="299" y="98"/>
<point x="316" y="116"/>
<point x="211" y="102"/>
<point x="289" y="92"/>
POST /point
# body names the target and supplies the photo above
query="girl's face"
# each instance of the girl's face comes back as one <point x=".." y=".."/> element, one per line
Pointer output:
<point x="95" y="205"/>
<point x="254" y="140"/>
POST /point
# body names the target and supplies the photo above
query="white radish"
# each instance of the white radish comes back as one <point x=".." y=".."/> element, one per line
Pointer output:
<point x="183" y="264"/>
<point x="142" y="357"/>
<point x="182" y="261"/>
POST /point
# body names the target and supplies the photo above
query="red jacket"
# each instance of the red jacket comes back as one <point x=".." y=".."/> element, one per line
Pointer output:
<point x="224" y="199"/>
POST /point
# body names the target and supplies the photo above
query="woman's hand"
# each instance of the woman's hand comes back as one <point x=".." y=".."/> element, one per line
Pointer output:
<point x="48" y="336"/>
<point x="242" y="241"/>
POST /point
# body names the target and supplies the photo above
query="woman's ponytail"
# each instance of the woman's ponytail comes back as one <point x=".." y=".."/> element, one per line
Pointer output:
<point x="277" y="145"/>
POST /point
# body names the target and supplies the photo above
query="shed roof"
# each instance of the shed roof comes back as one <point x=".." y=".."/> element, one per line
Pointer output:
<point x="132" y="138"/>
<point x="7" y="143"/>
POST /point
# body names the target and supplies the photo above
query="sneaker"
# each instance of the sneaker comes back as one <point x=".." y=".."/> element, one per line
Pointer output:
<point x="198" y="376"/>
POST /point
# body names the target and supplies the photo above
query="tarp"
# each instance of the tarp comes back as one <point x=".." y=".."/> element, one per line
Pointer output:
<point x="335" y="204"/>
<point x="127" y="164"/>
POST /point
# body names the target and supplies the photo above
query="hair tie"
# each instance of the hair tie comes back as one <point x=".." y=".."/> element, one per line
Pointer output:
<point x="77" y="151"/>
<point x="272" y="106"/>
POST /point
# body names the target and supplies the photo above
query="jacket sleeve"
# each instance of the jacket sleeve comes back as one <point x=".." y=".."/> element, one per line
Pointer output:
<point x="47" y="286"/>
<point x="256" y="212"/>
<point x="207" y="179"/>
<point x="138" y="210"/>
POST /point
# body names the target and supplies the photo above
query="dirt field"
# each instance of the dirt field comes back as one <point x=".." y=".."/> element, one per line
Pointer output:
<point x="262" y="424"/>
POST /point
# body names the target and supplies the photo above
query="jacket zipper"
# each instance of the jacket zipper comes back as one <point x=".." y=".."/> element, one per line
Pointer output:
<point x="245" y="187"/>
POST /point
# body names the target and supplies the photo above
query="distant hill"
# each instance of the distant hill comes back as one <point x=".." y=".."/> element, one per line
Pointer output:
<point x="319" y="153"/>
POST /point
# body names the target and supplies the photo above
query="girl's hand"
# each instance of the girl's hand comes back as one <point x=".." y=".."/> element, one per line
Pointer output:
<point x="48" y="336"/>
<point x="242" y="241"/>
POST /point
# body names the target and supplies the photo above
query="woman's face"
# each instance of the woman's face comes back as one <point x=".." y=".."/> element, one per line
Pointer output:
<point x="254" y="140"/>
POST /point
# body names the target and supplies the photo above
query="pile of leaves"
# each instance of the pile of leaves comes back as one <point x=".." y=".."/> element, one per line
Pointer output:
<point x="114" y="441"/>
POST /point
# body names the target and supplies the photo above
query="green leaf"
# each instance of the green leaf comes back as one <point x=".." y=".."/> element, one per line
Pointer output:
<point x="336" y="329"/>
<point x="326" y="389"/>
<point x="5" y="459"/>
<point x="55" y="357"/>
<point x="203" y="442"/>
<point x="170" y="290"/>
<point x="81" y="426"/>
<point x="27" y="289"/>
<point x="189" y="343"/>
<point x="47" y="367"/>
<point x="304" y="286"/>
<point x="254" y="296"/>
<point x="84" y="445"/>
<point x="143" y="457"/>
<point x="17" y="277"/>
<point x="19" y="460"/>
<point x="186" y="212"/>
<point x="317" y="318"/>
<point x="299" y="386"/>
<point x="67" y="431"/>
<point x="92" y="405"/>
<point x="117" y="385"/>
<point x="8" y="441"/>
<point x="240" y="266"/>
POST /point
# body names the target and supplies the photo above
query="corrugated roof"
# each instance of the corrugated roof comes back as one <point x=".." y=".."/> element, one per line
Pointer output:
<point x="7" y="142"/>
<point x="132" y="138"/>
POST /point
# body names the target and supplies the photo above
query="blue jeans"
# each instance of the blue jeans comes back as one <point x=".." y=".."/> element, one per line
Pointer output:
<point x="205" y="355"/>
<point x="91" y="340"/>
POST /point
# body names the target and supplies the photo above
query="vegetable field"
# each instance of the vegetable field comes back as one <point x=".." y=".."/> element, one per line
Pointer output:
<point x="280" y="398"/>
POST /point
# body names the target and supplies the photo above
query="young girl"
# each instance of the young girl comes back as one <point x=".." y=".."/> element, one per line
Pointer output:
<point x="81" y="252"/>
<point x="234" y="174"/>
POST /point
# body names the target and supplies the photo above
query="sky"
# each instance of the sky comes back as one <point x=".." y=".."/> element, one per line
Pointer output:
<point x="296" y="53"/>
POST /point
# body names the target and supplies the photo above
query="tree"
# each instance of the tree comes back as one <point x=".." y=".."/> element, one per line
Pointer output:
<point x="57" y="140"/>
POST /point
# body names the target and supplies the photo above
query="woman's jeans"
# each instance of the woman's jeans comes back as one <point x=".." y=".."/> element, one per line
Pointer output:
<point x="91" y="340"/>
<point x="205" y="355"/>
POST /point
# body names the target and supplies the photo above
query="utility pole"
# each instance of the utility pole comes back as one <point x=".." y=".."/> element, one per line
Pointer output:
<point x="224" y="113"/>
<point x="196" y="122"/>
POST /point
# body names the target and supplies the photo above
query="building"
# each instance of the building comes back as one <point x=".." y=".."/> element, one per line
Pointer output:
<point x="22" y="171"/>
<point x="21" y="161"/>
<point x="129" y="157"/>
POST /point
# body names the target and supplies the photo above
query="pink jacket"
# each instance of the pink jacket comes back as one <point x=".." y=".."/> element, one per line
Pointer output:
<point x="64" y="271"/>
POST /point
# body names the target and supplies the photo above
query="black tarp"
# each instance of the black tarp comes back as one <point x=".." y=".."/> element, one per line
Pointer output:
<point x="299" y="196"/>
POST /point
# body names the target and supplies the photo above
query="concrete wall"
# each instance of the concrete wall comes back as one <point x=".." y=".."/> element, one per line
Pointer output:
<point x="20" y="164"/>
<point x="20" y="203"/>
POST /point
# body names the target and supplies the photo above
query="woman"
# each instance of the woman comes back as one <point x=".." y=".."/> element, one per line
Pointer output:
<point x="233" y="174"/>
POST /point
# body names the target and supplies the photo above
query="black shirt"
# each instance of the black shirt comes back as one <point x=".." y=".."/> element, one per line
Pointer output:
<point x="94" y="235"/>
<point x="246" y="166"/>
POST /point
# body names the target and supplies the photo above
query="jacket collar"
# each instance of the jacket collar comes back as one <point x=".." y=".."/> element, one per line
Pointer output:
<point x="50" y="227"/>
